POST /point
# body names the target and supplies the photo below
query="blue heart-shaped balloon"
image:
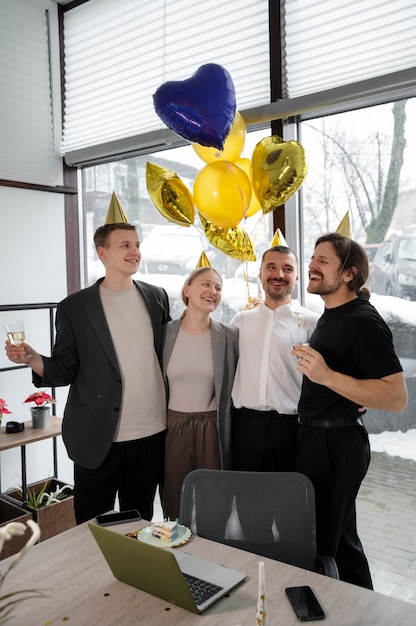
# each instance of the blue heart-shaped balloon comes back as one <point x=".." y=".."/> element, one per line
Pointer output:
<point x="201" y="108"/>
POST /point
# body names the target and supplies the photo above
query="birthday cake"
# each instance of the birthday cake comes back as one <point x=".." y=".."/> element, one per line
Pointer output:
<point x="168" y="531"/>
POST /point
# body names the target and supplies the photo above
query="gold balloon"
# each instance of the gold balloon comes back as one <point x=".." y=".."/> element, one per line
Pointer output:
<point x="222" y="193"/>
<point x="254" y="202"/>
<point x="170" y="195"/>
<point x="233" y="144"/>
<point x="278" y="170"/>
<point x="234" y="242"/>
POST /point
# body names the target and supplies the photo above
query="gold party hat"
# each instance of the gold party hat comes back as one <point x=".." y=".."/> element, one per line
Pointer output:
<point x="203" y="261"/>
<point x="278" y="239"/>
<point x="344" y="227"/>
<point x="115" y="214"/>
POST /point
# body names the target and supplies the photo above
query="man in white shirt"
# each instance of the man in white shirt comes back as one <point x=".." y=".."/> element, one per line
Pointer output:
<point x="267" y="383"/>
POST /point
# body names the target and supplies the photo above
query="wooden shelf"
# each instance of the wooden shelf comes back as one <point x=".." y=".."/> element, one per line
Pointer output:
<point x="30" y="434"/>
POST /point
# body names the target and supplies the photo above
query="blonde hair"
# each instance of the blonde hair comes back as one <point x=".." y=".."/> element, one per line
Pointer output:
<point x="192" y="276"/>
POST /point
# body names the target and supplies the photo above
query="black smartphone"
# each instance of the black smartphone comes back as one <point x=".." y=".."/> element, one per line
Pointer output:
<point x="305" y="603"/>
<point x="122" y="517"/>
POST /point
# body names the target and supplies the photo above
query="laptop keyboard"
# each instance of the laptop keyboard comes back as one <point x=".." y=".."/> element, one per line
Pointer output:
<point x="201" y="590"/>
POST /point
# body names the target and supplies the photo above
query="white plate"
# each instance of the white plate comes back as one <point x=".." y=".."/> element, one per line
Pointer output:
<point x="184" y="535"/>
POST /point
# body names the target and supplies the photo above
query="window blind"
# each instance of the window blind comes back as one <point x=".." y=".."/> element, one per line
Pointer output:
<point x="332" y="43"/>
<point x="28" y="152"/>
<point x="118" y="53"/>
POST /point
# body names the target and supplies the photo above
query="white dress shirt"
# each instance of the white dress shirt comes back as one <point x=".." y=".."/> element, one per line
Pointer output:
<point x="266" y="376"/>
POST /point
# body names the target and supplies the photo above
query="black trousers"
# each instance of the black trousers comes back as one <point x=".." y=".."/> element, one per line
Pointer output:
<point x="133" y="469"/>
<point x="263" y="441"/>
<point x="336" y="460"/>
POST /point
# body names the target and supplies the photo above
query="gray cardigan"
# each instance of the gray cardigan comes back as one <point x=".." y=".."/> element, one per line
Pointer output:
<point x="224" y="341"/>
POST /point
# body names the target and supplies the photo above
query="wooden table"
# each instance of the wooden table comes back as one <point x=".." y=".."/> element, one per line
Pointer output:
<point x="31" y="435"/>
<point x="81" y="590"/>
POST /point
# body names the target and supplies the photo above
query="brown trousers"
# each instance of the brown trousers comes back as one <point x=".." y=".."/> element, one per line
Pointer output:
<point x="191" y="443"/>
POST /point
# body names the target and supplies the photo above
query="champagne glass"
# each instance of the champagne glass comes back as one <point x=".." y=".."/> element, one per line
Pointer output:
<point x="15" y="332"/>
<point x="299" y="336"/>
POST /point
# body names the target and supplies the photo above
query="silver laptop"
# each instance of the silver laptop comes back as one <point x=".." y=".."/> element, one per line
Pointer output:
<point x="167" y="573"/>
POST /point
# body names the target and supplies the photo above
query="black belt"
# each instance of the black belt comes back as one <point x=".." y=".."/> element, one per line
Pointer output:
<point x="336" y="422"/>
<point x="265" y="414"/>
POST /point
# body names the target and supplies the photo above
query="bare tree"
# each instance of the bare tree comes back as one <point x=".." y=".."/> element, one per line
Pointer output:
<point x="381" y="222"/>
<point x="359" y="176"/>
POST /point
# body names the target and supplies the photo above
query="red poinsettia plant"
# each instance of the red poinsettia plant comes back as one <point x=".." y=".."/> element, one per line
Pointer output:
<point x="3" y="407"/>
<point x="40" y="398"/>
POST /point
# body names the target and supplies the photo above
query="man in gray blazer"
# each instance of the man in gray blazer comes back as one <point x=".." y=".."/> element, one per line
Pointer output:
<point x="108" y="349"/>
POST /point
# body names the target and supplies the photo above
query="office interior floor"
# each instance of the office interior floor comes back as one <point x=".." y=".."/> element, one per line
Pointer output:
<point x="386" y="513"/>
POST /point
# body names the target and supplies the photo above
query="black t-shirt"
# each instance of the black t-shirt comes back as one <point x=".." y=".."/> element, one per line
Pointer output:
<point x="354" y="340"/>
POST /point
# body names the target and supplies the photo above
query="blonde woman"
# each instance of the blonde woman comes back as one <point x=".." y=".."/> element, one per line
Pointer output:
<point x="199" y="360"/>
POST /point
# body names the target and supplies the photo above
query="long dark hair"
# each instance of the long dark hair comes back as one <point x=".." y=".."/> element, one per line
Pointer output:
<point x="352" y="257"/>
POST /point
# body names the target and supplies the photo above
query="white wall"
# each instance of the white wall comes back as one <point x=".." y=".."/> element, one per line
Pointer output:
<point x="32" y="223"/>
<point x="33" y="262"/>
<point x="32" y="249"/>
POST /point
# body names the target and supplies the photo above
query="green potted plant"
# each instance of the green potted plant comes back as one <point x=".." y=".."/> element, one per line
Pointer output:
<point x="37" y="499"/>
<point x="41" y="412"/>
<point x="51" y="504"/>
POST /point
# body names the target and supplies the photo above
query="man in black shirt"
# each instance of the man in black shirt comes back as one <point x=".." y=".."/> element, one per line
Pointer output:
<point x="350" y="364"/>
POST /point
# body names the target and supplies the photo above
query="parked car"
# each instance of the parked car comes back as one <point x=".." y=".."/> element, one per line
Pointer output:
<point x="393" y="269"/>
<point x="171" y="250"/>
<point x="371" y="251"/>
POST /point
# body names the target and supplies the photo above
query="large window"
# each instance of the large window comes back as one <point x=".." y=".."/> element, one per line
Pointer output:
<point x="341" y="65"/>
<point x="362" y="162"/>
<point x="169" y="251"/>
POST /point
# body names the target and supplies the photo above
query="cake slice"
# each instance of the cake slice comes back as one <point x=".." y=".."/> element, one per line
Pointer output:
<point x="168" y="531"/>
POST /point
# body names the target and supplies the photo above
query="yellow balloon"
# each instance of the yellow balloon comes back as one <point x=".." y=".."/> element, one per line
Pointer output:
<point x="222" y="193"/>
<point x="278" y="170"/>
<point x="233" y="144"/>
<point x="235" y="242"/>
<point x="170" y="195"/>
<point x="254" y="202"/>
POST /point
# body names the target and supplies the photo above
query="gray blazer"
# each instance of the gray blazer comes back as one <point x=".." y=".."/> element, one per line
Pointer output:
<point x="224" y="341"/>
<point x="84" y="358"/>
